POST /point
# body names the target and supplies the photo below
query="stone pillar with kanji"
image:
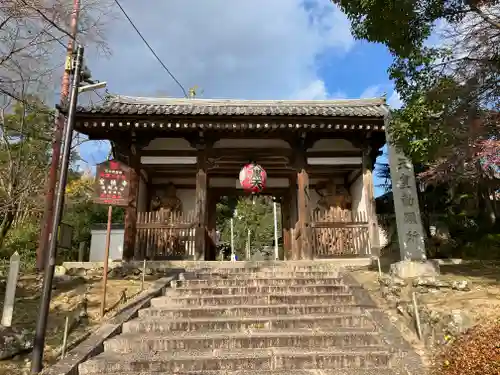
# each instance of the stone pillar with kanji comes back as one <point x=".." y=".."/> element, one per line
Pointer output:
<point x="408" y="220"/>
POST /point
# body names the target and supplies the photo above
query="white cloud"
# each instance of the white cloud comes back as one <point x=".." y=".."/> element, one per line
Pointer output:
<point x="241" y="49"/>
<point x="256" y="49"/>
<point x="394" y="100"/>
<point x="372" y="91"/>
<point x="316" y="90"/>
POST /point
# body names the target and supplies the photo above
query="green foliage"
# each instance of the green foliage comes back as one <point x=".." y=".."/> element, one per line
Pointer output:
<point x="25" y="147"/>
<point x="24" y="240"/>
<point x="401" y="25"/>
<point x="84" y="215"/>
<point x="448" y="125"/>
<point x="445" y="88"/>
<point x="257" y="217"/>
<point x="25" y="140"/>
<point x="225" y="210"/>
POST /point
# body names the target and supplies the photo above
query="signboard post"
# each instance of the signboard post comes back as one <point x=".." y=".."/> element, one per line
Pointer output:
<point x="112" y="189"/>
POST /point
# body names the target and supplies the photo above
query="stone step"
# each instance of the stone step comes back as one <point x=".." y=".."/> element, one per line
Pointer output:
<point x="234" y="282"/>
<point x="254" y="359"/>
<point x="261" y="274"/>
<point x="370" y="371"/>
<point x="253" y="290"/>
<point x="194" y="341"/>
<point x="161" y="324"/>
<point x="166" y="311"/>
<point x="264" y="268"/>
<point x="238" y="299"/>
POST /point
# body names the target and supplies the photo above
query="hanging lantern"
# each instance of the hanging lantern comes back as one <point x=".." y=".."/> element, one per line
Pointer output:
<point x="253" y="178"/>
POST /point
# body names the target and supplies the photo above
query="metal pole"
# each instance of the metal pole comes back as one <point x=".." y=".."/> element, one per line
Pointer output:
<point x="232" y="240"/>
<point x="41" y="325"/>
<point x="249" y="236"/>
<point x="48" y="213"/>
<point x="106" y="262"/>
<point x="276" y="248"/>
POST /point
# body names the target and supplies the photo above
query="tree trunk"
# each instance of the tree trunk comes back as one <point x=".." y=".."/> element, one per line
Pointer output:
<point x="5" y="226"/>
<point x="489" y="211"/>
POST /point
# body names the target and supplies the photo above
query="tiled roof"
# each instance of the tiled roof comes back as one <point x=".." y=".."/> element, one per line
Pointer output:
<point x="127" y="105"/>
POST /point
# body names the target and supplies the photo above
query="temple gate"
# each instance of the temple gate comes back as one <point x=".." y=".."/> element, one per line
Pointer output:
<point x="186" y="153"/>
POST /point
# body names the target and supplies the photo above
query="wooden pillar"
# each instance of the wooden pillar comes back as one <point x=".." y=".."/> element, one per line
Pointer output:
<point x="212" y="225"/>
<point x="294" y="220"/>
<point x="131" y="210"/>
<point x="371" y="213"/>
<point x="304" y="207"/>
<point x="286" y="227"/>
<point x="201" y="203"/>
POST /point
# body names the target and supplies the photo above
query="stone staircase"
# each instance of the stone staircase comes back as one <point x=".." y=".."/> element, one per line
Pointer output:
<point x="286" y="319"/>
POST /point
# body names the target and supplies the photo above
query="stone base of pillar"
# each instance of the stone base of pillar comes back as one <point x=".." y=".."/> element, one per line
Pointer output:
<point x="407" y="269"/>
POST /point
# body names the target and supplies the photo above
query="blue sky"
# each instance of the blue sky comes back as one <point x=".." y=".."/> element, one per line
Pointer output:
<point x="280" y="49"/>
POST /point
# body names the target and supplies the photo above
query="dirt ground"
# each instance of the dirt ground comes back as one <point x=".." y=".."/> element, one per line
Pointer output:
<point x="71" y="299"/>
<point x="480" y="303"/>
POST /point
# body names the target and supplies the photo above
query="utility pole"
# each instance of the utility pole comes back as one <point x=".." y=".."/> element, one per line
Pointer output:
<point x="41" y="253"/>
<point x="41" y="325"/>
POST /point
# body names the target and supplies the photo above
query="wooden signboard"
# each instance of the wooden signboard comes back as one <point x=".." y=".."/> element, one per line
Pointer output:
<point x="112" y="186"/>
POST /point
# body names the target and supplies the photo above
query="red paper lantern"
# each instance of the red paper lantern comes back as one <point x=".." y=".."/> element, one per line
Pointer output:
<point x="253" y="178"/>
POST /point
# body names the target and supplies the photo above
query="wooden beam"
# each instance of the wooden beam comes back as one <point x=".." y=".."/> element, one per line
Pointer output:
<point x="169" y="153"/>
<point x="222" y="191"/>
<point x="214" y="120"/>
<point x="324" y="128"/>
<point x="333" y="154"/>
<point x="193" y="186"/>
<point x="244" y="153"/>
<point x="178" y="186"/>
<point x="233" y="173"/>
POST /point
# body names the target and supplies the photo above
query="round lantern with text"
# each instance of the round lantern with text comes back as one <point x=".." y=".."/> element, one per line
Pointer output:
<point x="253" y="178"/>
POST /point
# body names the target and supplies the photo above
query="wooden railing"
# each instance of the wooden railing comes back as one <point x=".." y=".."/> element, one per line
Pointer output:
<point x="340" y="233"/>
<point x="165" y="235"/>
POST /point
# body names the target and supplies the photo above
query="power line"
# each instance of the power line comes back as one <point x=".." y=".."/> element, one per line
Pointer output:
<point x="151" y="49"/>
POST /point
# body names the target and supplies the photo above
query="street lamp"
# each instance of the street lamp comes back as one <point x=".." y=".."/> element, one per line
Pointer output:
<point x="93" y="86"/>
